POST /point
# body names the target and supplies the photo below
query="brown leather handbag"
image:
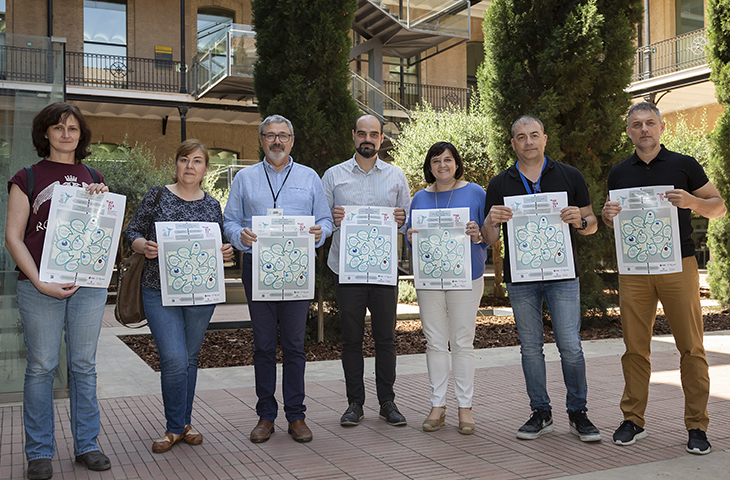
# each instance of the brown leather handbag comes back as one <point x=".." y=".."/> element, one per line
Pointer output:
<point x="129" y="309"/>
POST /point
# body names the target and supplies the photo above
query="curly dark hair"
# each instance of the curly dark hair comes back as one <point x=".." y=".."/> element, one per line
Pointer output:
<point x="54" y="114"/>
<point x="437" y="149"/>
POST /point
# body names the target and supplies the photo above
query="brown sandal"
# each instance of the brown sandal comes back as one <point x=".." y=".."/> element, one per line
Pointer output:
<point x="166" y="442"/>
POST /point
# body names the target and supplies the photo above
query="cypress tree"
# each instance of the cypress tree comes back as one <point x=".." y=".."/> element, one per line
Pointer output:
<point x="302" y="73"/>
<point x="566" y="62"/>
<point x="718" y="31"/>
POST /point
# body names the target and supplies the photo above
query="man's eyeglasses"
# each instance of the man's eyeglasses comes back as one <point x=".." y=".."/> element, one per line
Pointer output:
<point x="271" y="137"/>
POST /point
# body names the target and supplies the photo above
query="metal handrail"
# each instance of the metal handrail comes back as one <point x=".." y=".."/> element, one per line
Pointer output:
<point x="671" y="55"/>
<point x="371" y="98"/>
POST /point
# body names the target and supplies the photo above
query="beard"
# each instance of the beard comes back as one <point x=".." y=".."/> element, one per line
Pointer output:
<point x="367" y="150"/>
<point x="277" y="154"/>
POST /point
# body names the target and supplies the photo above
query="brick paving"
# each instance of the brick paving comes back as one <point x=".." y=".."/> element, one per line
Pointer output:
<point x="374" y="450"/>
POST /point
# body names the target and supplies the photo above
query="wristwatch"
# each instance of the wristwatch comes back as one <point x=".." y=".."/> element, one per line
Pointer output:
<point x="583" y="223"/>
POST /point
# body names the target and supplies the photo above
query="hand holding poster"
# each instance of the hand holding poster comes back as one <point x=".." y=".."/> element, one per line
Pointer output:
<point x="191" y="263"/>
<point x="441" y="249"/>
<point x="646" y="231"/>
<point x="82" y="237"/>
<point x="369" y="246"/>
<point x="283" y="258"/>
<point x="540" y="247"/>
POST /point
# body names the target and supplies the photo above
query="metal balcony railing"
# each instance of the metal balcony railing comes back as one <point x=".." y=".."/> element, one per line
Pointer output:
<point x="669" y="56"/>
<point x="27" y="64"/>
<point x="411" y="94"/>
<point x="119" y="72"/>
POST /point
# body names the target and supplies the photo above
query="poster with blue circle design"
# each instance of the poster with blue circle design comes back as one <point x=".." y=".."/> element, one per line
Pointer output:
<point x="646" y="231"/>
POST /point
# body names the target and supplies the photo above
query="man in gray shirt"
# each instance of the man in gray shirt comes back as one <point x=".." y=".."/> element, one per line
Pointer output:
<point x="366" y="180"/>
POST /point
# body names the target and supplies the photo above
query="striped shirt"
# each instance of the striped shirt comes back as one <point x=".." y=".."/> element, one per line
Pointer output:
<point x="385" y="185"/>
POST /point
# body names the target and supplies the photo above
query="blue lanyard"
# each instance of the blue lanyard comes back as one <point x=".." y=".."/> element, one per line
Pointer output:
<point x="524" y="179"/>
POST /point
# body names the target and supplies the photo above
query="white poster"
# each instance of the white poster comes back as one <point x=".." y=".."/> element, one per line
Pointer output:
<point x="369" y="246"/>
<point x="283" y="258"/>
<point x="540" y="247"/>
<point x="82" y="237"/>
<point x="191" y="263"/>
<point x="646" y="231"/>
<point x="441" y="249"/>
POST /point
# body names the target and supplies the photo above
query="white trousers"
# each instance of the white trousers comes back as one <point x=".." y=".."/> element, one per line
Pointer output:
<point x="448" y="317"/>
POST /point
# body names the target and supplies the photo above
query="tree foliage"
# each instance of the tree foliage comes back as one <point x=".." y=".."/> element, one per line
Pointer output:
<point x="302" y="73"/>
<point x="691" y="140"/>
<point x="465" y="128"/>
<point x="718" y="31"/>
<point x="566" y="62"/>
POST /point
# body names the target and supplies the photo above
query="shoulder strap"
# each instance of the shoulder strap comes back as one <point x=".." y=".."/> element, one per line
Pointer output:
<point x="157" y="200"/>
<point x="30" y="184"/>
<point x="92" y="172"/>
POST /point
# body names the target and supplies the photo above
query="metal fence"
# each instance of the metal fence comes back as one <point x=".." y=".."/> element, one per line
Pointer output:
<point x="112" y="71"/>
<point x="672" y="55"/>
<point x="440" y="98"/>
<point x="24" y="64"/>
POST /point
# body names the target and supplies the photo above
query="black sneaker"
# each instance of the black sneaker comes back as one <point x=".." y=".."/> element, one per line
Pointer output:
<point x="541" y="421"/>
<point x="389" y="412"/>
<point x="628" y="433"/>
<point x="352" y="415"/>
<point x="40" y="469"/>
<point x="584" y="428"/>
<point x="698" y="443"/>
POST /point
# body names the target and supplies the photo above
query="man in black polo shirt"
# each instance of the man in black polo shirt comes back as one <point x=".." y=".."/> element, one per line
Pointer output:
<point x="534" y="173"/>
<point x="651" y="165"/>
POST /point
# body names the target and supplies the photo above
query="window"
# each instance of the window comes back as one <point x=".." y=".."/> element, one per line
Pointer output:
<point x="212" y="23"/>
<point x="2" y="16"/>
<point x="690" y="15"/>
<point x="105" y="27"/>
<point x="224" y="165"/>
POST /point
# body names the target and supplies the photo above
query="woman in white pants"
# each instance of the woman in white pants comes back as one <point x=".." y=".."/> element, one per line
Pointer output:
<point x="448" y="317"/>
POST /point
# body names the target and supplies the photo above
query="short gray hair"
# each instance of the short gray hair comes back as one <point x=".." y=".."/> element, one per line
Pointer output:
<point x="275" y="119"/>
<point x="526" y="120"/>
<point x="642" y="107"/>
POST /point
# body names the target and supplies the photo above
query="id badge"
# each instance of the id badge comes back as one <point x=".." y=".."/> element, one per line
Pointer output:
<point x="275" y="212"/>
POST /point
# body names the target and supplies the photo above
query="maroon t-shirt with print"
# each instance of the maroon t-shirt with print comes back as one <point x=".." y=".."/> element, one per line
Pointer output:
<point x="46" y="175"/>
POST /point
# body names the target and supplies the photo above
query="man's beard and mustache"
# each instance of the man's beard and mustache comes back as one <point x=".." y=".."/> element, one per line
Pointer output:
<point x="367" y="149"/>
<point x="277" y="152"/>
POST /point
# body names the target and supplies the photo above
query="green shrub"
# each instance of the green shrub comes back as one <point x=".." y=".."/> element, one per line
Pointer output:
<point x="407" y="292"/>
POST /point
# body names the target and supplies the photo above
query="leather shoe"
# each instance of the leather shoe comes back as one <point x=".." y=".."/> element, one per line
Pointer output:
<point x="389" y="412"/>
<point x="352" y="415"/>
<point x="300" y="431"/>
<point x="165" y="442"/>
<point x="95" y="461"/>
<point x="192" y="437"/>
<point x="40" y="469"/>
<point x="262" y="431"/>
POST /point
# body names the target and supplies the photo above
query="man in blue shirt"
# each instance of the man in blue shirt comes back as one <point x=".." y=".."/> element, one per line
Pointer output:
<point x="366" y="180"/>
<point x="294" y="189"/>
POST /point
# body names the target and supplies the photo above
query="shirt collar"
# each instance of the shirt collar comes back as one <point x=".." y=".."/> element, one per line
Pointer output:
<point x="271" y="168"/>
<point x="356" y="167"/>
<point x="662" y="155"/>
<point x="513" y="172"/>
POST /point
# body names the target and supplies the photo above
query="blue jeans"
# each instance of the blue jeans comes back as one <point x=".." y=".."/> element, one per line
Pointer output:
<point x="178" y="333"/>
<point x="44" y="320"/>
<point x="269" y="320"/>
<point x="563" y="300"/>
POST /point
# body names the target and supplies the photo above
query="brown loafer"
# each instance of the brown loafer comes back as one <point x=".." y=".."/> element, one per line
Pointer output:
<point x="192" y="437"/>
<point x="300" y="431"/>
<point x="262" y="431"/>
<point x="166" y="442"/>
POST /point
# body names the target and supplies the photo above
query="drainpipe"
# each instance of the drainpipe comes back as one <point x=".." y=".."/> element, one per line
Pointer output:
<point x="647" y="41"/>
<point x="50" y="18"/>
<point x="183" y="68"/>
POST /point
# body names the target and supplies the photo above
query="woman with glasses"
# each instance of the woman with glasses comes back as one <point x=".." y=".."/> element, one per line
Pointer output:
<point x="448" y="317"/>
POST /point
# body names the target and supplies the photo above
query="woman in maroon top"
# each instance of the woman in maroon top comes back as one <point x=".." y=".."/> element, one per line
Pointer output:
<point x="61" y="138"/>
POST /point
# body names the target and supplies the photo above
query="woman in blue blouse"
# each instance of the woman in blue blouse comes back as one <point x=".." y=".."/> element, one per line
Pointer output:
<point x="448" y="317"/>
<point x="178" y="331"/>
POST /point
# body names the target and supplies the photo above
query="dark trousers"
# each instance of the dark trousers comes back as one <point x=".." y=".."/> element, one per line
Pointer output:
<point x="382" y="301"/>
<point x="292" y="319"/>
